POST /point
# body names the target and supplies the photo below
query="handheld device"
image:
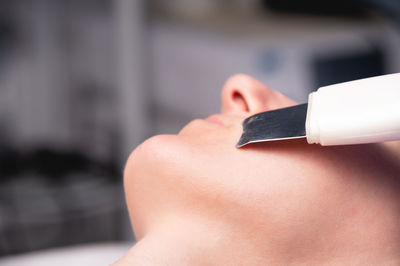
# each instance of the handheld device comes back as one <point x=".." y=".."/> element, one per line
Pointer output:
<point x="354" y="112"/>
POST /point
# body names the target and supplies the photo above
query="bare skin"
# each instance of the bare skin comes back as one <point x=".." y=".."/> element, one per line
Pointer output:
<point x="194" y="199"/>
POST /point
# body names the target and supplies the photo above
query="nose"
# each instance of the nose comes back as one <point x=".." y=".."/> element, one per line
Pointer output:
<point x="244" y="95"/>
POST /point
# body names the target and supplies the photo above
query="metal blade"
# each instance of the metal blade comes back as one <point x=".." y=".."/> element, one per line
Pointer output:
<point x="280" y="124"/>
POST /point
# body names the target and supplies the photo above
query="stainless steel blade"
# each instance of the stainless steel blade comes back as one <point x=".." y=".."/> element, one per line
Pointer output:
<point x="280" y="124"/>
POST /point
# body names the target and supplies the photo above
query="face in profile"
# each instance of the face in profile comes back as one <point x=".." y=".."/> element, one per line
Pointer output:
<point x="280" y="201"/>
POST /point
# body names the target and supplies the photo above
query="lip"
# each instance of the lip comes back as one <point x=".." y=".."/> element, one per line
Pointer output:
<point x="216" y="119"/>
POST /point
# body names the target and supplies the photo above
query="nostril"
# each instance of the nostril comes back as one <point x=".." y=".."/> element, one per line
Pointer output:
<point x="239" y="101"/>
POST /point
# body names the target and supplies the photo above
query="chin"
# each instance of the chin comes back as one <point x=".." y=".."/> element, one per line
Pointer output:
<point x="148" y="170"/>
<point x="150" y="152"/>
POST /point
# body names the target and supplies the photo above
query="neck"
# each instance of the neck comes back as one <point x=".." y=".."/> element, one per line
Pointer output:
<point x="206" y="245"/>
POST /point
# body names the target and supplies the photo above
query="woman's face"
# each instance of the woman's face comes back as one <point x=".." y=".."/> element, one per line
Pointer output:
<point x="276" y="196"/>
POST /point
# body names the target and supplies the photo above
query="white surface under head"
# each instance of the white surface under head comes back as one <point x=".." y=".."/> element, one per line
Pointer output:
<point x="91" y="254"/>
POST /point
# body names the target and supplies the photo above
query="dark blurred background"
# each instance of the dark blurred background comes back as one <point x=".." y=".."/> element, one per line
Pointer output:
<point x="82" y="82"/>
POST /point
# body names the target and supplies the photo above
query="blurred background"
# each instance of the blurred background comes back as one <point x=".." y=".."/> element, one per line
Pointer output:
<point x="83" y="82"/>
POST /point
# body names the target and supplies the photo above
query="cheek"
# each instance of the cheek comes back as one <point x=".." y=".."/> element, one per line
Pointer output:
<point x="271" y="189"/>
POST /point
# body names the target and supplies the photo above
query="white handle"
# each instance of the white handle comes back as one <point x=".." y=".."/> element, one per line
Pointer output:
<point x="360" y="111"/>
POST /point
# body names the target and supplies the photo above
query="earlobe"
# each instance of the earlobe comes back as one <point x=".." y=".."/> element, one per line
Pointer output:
<point x="244" y="95"/>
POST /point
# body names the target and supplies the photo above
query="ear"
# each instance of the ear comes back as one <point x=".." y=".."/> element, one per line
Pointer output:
<point x="244" y="95"/>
